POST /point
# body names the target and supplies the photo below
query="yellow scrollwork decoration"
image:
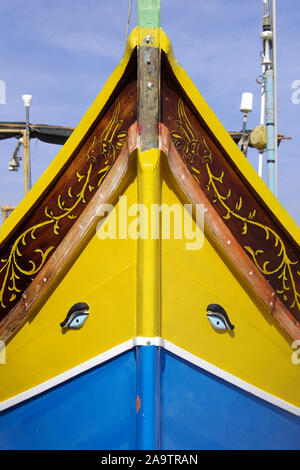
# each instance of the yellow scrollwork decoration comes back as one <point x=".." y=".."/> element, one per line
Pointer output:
<point x="187" y="139"/>
<point x="283" y="269"/>
<point x="103" y="148"/>
<point x="12" y="268"/>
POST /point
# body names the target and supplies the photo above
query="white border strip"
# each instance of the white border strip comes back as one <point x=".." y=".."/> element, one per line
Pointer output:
<point x="154" y="341"/>
<point x="147" y="341"/>
<point x="69" y="374"/>
<point x="232" y="379"/>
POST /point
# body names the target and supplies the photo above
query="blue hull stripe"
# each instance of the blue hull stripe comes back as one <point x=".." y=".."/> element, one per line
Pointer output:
<point x="149" y="393"/>
<point x="202" y="411"/>
<point x="95" y="410"/>
<point x="143" y="341"/>
<point x="180" y="406"/>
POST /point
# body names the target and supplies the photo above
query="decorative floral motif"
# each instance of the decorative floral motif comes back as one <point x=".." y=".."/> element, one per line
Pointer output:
<point x="283" y="269"/>
<point x="105" y="147"/>
<point x="186" y="138"/>
<point x="193" y="146"/>
<point x="12" y="268"/>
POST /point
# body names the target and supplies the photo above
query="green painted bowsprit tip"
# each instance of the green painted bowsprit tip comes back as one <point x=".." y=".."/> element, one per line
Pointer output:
<point x="149" y="13"/>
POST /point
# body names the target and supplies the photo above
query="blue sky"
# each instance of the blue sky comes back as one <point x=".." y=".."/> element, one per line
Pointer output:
<point x="63" y="51"/>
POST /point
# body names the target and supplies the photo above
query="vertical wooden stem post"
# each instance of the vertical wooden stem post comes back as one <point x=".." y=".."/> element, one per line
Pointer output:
<point x="148" y="250"/>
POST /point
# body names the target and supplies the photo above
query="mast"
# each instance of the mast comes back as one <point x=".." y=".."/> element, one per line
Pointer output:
<point x="269" y="93"/>
<point x="262" y="122"/>
<point x="274" y="29"/>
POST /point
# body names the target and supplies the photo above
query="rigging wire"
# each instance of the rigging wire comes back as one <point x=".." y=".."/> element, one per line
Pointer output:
<point x="128" y="19"/>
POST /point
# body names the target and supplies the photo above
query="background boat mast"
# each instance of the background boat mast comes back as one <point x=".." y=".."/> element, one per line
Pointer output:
<point x="269" y="92"/>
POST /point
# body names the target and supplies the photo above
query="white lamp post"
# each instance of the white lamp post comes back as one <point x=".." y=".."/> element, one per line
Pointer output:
<point x="245" y="107"/>
<point x="27" y="169"/>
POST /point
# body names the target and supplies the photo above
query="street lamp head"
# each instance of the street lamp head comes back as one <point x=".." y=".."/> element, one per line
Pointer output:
<point x="27" y="99"/>
<point x="246" y="103"/>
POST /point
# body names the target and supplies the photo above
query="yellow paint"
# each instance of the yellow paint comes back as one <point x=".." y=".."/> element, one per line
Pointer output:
<point x="125" y="295"/>
<point x="256" y="352"/>
<point x="104" y="276"/>
<point x="11" y="266"/>
<point x="228" y="144"/>
<point x="195" y="147"/>
<point x="160" y="39"/>
<point x="148" y="267"/>
<point x="283" y="267"/>
<point x="149" y="37"/>
<point x="70" y="146"/>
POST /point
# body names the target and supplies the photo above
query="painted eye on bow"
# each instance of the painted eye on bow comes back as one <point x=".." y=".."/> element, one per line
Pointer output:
<point x="78" y="321"/>
<point x="218" y="317"/>
<point x="216" y="322"/>
<point x="76" y="316"/>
